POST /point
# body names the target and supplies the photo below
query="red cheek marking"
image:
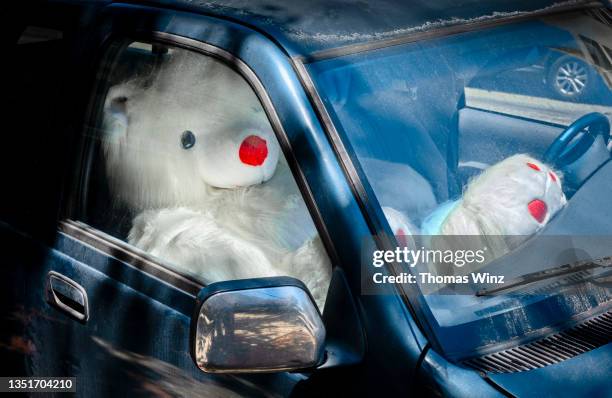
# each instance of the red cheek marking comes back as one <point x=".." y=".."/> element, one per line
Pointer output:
<point x="400" y="235"/>
<point x="537" y="208"/>
<point x="533" y="166"/>
<point x="553" y="176"/>
<point x="253" y="151"/>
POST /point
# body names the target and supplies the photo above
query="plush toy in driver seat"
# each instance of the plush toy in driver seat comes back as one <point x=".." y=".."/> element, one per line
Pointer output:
<point x="516" y="196"/>
<point x="507" y="203"/>
<point x="191" y="153"/>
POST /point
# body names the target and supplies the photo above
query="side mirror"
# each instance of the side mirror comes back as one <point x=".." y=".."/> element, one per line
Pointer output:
<point x="256" y="325"/>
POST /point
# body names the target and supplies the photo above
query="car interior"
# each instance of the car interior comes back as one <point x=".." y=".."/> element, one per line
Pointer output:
<point x="448" y="139"/>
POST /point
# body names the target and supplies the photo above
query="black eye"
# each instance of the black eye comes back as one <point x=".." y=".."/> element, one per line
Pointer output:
<point x="188" y="139"/>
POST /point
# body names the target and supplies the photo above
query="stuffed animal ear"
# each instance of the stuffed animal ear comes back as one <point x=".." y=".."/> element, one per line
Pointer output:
<point x="115" y="120"/>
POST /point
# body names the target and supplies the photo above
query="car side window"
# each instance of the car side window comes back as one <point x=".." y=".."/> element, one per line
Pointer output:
<point x="184" y="165"/>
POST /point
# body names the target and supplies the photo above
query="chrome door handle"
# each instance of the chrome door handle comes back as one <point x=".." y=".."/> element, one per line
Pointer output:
<point x="67" y="295"/>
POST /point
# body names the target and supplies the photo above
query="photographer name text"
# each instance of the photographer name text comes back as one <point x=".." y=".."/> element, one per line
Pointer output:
<point x="429" y="278"/>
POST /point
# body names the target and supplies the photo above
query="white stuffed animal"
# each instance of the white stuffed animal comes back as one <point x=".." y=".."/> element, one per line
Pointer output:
<point x="516" y="196"/>
<point x="192" y="153"/>
<point x="499" y="209"/>
<point x="508" y="202"/>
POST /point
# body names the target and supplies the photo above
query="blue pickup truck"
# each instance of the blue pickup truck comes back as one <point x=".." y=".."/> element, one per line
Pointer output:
<point x="374" y="106"/>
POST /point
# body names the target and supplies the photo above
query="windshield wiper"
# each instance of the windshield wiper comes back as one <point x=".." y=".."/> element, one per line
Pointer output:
<point x="561" y="270"/>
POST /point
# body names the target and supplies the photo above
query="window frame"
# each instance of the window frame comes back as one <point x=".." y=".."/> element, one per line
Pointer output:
<point x="72" y="207"/>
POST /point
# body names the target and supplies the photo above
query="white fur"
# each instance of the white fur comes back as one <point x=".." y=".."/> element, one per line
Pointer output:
<point x="143" y="133"/>
<point x="494" y="206"/>
<point x="202" y="209"/>
<point x="495" y="202"/>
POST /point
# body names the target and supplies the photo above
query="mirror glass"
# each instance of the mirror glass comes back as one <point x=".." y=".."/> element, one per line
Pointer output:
<point x="258" y="330"/>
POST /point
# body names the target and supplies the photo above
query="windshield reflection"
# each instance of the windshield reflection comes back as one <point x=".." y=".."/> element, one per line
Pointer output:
<point x="467" y="135"/>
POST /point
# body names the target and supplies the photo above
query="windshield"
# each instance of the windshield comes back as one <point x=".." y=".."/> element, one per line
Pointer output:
<point x="500" y="137"/>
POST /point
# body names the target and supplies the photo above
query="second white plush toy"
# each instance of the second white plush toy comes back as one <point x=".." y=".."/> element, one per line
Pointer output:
<point x="506" y="204"/>
<point x="516" y="196"/>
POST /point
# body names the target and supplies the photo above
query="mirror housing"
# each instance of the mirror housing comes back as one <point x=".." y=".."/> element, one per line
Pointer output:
<point x="256" y="325"/>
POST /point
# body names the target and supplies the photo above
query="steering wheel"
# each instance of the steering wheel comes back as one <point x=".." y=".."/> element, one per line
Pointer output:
<point x="565" y="150"/>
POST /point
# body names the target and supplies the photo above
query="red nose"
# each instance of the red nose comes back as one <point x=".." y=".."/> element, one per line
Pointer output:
<point x="400" y="235"/>
<point x="537" y="208"/>
<point x="253" y="150"/>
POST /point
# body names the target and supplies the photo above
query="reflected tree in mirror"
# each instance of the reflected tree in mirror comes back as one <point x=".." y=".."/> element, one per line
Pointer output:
<point x="262" y="329"/>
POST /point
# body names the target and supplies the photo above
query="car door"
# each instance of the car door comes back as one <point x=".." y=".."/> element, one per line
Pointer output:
<point x="84" y="301"/>
<point x="134" y="338"/>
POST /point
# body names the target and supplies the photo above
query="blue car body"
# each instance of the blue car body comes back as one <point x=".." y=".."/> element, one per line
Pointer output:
<point x="136" y="338"/>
